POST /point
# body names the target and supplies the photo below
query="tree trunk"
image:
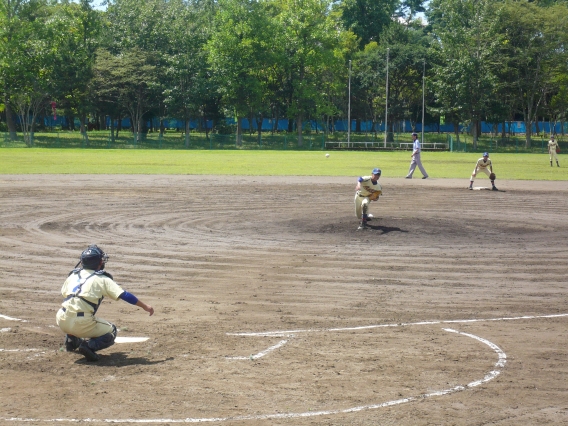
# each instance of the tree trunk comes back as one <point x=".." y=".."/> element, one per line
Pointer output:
<point x="239" y="131"/>
<point x="10" y="119"/>
<point x="83" y="129"/>
<point x="259" y="129"/>
<point x="299" y="129"/>
<point x="187" y="133"/>
<point x="528" y="127"/>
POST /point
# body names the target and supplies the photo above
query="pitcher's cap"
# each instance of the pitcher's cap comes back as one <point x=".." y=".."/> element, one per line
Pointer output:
<point x="376" y="171"/>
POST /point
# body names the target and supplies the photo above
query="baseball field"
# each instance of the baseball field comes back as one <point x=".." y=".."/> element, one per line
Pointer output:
<point x="272" y="309"/>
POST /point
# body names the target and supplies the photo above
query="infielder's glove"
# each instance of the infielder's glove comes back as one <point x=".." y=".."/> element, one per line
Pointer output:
<point x="492" y="176"/>
<point x="374" y="196"/>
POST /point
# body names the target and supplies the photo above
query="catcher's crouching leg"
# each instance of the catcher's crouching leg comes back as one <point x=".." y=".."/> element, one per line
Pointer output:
<point x="72" y="342"/>
<point x="89" y="347"/>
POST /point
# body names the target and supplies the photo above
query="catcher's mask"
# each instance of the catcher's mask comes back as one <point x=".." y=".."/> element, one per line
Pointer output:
<point x="92" y="256"/>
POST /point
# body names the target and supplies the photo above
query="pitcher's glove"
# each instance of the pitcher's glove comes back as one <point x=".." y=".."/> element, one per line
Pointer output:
<point x="492" y="176"/>
<point x="375" y="195"/>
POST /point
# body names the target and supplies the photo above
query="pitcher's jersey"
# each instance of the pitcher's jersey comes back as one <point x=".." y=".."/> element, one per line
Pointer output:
<point x="482" y="164"/>
<point x="91" y="293"/>
<point x="368" y="187"/>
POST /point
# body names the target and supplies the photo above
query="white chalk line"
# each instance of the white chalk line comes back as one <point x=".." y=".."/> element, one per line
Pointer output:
<point x="261" y="353"/>
<point x="402" y="324"/>
<point x="491" y="375"/>
<point x="11" y="319"/>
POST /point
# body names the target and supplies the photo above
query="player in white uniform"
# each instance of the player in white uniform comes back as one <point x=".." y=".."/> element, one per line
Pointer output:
<point x="483" y="165"/>
<point x="84" y="290"/>
<point x="552" y="145"/>
<point x="367" y="189"/>
<point x="415" y="158"/>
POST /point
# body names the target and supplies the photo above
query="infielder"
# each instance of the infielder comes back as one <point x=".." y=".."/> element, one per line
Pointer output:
<point x="367" y="189"/>
<point x="84" y="290"/>
<point x="415" y="158"/>
<point x="552" y="146"/>
<point x="484" y="165"/>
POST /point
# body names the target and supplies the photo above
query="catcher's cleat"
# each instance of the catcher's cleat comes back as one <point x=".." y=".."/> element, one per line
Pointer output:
<point x="362" y="226"/>
<point x="494" y="188"/>
<point x="72" y="343"/>
<point x="87" y="352"/>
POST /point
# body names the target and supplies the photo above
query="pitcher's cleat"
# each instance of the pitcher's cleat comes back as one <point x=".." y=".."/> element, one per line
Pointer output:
<point x="362" y="225"/>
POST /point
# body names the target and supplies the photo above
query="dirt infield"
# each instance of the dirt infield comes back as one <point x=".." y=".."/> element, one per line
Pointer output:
<point x="272" y="309"/>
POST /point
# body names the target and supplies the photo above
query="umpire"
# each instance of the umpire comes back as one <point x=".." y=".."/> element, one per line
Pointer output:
<point x="84" y="290"/>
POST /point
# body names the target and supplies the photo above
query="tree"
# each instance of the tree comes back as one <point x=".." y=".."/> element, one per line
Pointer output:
<point x="533" y="49"/>
<point x="243" y="53"/>
<point x="466" y="52"/>
<point x="367" y="18"/>
<point x="74" y="30"/>
<point x="310" y="41"/>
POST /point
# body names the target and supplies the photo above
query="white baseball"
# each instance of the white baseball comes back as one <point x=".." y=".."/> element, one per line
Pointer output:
<point x="327" y="155"/>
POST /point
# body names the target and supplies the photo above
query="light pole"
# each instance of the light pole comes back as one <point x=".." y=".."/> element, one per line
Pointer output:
<point x="349" y="109"/>
<point x="423" y="78"/>
<point x="387" y="99"/>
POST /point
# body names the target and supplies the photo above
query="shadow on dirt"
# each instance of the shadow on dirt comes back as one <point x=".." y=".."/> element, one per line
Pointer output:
<point x="121" y="359"/>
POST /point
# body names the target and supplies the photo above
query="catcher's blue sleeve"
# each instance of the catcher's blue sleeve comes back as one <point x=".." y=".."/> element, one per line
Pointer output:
<point x="128" y="297"/>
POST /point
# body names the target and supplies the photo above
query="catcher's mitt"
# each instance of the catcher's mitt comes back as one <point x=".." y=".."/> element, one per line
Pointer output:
<point x="492" y="176"/>
<point x="374" y="196"/>
<point x="558" y="150"/>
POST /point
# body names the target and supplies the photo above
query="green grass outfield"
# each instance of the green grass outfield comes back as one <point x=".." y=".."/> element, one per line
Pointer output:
<point x="262" y="163"/>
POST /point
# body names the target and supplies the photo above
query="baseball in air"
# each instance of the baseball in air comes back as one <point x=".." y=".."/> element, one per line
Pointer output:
<point x="326" y="155"/>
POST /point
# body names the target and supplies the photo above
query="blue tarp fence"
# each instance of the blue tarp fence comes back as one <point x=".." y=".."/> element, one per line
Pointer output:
<point x="268" y="124"/>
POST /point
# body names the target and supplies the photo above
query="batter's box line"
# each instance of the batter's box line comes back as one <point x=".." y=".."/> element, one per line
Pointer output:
<point x="402" y="324"/>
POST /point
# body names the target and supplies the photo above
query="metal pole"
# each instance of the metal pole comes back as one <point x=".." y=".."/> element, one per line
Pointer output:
<point x="387" y="99"/>
<point x="423" y="78"/>
<point x="349" y="109"/>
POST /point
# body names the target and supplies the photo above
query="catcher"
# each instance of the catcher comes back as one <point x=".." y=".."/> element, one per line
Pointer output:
<point x="553" y="150"/>
<point x="368" y="189"/>
<point x="84" y="290"/>
<point x="484" y="165"/>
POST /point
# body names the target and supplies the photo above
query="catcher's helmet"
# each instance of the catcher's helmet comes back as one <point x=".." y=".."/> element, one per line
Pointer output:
<point x="486" y="154"/>
<point x="92" y="256"/>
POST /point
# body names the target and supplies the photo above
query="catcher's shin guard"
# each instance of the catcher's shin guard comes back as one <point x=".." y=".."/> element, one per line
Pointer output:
<point x="72" y="342"/>
<point x="104" y="341"/>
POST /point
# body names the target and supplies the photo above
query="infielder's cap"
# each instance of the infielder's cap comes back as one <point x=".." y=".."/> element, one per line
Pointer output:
<point x="376" y="171"/>
<point x="414" y="134"/>
<point x="551" y="136"/>
<point x="486" y="154"/>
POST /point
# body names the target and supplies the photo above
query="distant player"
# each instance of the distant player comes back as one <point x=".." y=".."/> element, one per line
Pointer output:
<point x="415" y="158"/>
<point x="484" y="165"/>
<point x="367" y="189"/>
<point x="552" y="147"/>
<point x="84" y="290"/>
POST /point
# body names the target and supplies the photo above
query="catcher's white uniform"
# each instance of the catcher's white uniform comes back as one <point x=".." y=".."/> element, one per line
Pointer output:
<point x="368" y="190"/>
<point x="552" y="145"/>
